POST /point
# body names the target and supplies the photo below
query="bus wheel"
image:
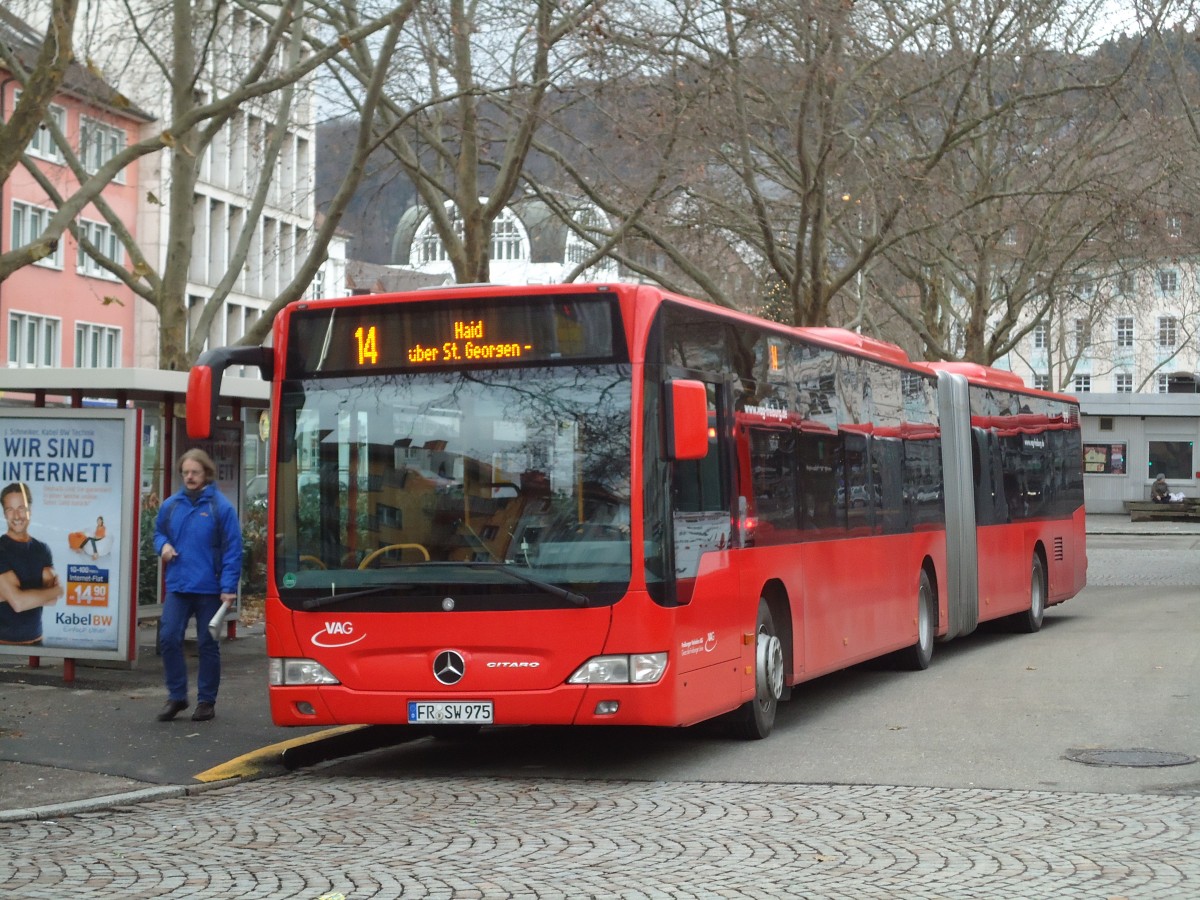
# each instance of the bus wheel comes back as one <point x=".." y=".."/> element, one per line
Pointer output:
<point x="919" y="655"/>
<point x="1031" y="620"/>
<point x="756" y="718"/>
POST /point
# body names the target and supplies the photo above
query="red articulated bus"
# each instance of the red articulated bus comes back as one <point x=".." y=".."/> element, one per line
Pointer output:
<point x="609" y="504"/>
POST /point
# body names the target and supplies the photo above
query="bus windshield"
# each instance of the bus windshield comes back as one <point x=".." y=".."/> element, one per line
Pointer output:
<point x="488" y="481"/>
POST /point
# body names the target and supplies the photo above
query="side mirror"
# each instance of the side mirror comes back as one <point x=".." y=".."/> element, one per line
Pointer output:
<point x="204" y="383"/>
<point x="686" y="406"/>
<point x="200" y="399"/>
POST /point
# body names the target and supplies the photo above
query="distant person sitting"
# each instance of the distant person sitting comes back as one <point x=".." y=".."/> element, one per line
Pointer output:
<point x="1160" y="492"/>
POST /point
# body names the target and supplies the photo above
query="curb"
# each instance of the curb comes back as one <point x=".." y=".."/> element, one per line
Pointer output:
<point x="287" y="756"/>
<point x="95" y="804"/>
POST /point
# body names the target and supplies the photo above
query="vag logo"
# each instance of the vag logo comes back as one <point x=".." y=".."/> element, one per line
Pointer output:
<point x="509" y="664"/>
<point x="336" y="634"/>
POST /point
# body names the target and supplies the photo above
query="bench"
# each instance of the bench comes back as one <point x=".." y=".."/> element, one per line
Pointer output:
<point x="1148" y="511"/>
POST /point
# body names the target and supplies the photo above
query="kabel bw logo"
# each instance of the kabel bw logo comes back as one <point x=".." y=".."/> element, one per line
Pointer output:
<point x="336" y="634"/>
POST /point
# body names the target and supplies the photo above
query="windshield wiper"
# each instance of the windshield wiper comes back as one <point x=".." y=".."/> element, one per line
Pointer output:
<point x="569" y="596"/>
<point x="319" y="602"/>
<point x="504" y="568"/>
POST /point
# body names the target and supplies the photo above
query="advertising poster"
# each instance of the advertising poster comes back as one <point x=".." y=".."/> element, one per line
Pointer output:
<point x="225" y="448"/>
<point x="69" y="489"/>
<point x="1104" y="459"/>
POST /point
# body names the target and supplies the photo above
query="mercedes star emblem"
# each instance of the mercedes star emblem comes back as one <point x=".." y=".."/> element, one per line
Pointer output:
<point x="449" y="667"/>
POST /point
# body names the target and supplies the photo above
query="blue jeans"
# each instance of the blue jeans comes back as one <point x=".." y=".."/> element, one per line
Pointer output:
<point x="178" y="609"/>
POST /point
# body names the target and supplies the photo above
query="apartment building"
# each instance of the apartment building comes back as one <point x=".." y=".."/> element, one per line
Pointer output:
<point x="530" y="244"/>
<point x="66" y="309"/>
<point x="273" y="231"/>
<point x="1128" y="345"/>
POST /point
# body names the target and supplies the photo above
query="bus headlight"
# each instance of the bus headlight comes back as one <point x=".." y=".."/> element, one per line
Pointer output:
<point x="635" y="668"/>
<point x="283" y="671"/>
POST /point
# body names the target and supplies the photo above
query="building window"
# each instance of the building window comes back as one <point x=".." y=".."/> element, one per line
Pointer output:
<point x="33" y="341"/>
<point x="1125" y="331"/>
<point x="28" y="223"/>
<point x="507" y="240"/>
<point x="98" y="143"/>
<point x="1168" y="332"/>
<point x="1131" y="230"/>
<point x="1083" y="334"/>
<point x="592" y="229"/>
<point x="1163" y="384"/>
<point x="431" y="248"/>
<point x="1083" y="384"/>
<point x="97" y="346"/>
<point x="1040" y="337"/>
<point x="390" y="516"/>
<point x="428" y="242"/>
<point x="1124" y="383"/>
<point x="106" y="241"/>
<point x="1168" y="281"/>
<point x="42" y="144"/>
<point x="958" y="338"/>
<point x="1010" y="235"/>
<point x="1174" y="226"/>
<point x="1127" y="283"/>
<point x="1041" y="382"/>
<point x="1171" y="458"/>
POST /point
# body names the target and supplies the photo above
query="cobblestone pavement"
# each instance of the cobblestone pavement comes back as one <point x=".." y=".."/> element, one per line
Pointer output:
<point x="1174" y="563"/>
<point x="304" y="836"/>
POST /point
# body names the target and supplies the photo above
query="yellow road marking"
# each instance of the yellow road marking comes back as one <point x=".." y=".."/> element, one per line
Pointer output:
<point x="251" y="763"/>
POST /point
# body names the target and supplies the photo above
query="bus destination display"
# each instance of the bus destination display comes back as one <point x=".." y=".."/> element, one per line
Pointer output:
<point x="389" y="336"/>
<point x="467" y="341"/>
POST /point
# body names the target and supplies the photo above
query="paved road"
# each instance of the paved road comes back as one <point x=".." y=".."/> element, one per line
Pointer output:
<point x="544" y="814"/>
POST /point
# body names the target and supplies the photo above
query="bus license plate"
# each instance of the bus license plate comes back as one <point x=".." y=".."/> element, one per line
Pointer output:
<point x="458" y="712"/>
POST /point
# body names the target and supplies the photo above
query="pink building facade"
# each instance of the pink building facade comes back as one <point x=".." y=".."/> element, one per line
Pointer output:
<point x="67" y="310"/>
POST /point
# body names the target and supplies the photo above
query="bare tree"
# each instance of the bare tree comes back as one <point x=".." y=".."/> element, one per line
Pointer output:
<point x="464" y="101"/>
<point x="1034" y="214"/>
<point x="40" y="70"/>
<point x="215" y="64"/>
<point x="819" y="139"/>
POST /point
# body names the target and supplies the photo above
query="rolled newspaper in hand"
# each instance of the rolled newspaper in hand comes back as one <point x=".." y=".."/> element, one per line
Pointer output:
<point x="215" y="623"/>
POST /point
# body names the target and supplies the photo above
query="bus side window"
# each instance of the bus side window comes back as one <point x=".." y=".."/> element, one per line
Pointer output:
<point x="700" y="506"/>
<point x="887" y="455"/>
<point x="698" y="486"/>
<point x="820" y="478"/>
<point x="772" y="456"/>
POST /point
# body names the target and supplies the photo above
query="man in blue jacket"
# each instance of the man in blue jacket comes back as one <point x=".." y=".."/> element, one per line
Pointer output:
<point x="199" y="539"/>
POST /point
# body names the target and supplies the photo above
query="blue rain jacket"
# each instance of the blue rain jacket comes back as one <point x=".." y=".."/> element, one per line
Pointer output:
<point x="208" y="538"/>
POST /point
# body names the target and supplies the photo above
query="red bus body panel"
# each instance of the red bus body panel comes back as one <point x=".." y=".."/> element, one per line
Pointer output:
<point x="852" y="596"/>
<point x="524" y="669"/>
<point x="1004" y="587"/>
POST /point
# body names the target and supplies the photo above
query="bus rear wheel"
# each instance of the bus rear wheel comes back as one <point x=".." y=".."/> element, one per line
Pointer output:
<point x="1031" y="620"/>
<point x="755" y="719"/>
<point x="920" y="654"/>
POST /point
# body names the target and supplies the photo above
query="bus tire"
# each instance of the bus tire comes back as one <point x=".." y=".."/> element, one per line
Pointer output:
<point x="1031" y="620"/>
<point x="920" y="654"/>
<point x="755" y="719"/>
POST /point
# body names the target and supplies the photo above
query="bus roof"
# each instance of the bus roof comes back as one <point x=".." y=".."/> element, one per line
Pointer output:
<point x="976" y="373"/>
<point x="861" y="343"/>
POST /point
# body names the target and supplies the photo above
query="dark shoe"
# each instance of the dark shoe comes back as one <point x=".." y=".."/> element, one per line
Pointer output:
<point x="172" y="709"/>
<point x="204" y="712"/>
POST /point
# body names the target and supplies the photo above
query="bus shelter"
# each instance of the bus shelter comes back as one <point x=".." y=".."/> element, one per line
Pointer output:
<point x="239" y="448"/>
